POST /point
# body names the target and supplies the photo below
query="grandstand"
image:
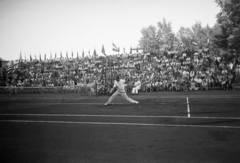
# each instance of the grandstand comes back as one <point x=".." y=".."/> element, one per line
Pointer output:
<point x="165" y="71"/>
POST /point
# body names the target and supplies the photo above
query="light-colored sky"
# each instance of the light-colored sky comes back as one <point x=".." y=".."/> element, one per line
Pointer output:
<point x="43" y="26"/>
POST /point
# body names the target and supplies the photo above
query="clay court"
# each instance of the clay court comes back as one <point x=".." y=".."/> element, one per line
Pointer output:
<point x="200" y="126"/>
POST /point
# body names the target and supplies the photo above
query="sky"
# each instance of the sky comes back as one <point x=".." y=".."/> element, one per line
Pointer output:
<point x="39" y="27"/>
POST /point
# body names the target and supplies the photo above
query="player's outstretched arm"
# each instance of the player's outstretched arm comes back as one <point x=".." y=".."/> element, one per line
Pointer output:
<point x="111" y="89"/>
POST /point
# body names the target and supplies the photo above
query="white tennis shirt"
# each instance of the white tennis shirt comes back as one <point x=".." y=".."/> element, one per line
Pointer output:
<point x="120" y="85"/>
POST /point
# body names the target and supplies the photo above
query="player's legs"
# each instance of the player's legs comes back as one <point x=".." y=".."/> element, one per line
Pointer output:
<point x="112" y="97"/>
<point x="124" y="95"/>
<point x="137" y="89"/>
<point x="134" y="90"/>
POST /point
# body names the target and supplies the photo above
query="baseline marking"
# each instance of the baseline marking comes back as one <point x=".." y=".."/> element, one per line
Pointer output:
<point x="116" y="116"/>
<point x="80" y="98"/>
<point x="127" y="124"/>
<point x="80" y="103"/>
<point x="66" y="103"/>
<point x="188" y="108"/>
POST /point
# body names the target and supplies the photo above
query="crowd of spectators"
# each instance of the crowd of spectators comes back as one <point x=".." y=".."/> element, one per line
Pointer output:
<point x="169" y="71"/>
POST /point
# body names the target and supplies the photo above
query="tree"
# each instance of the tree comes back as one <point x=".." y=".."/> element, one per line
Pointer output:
<point x="158" y="38"/>
<point x="185" y="36"/>
<point x="229" y="21"/>
<point x="197" y="34"/>
<point x="165" y="35"/>
<point x="148" y="41"/>
<point x="201" y="35"/>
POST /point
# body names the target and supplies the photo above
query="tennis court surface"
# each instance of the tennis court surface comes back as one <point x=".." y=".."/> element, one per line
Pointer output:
<point x="200" y="126"/>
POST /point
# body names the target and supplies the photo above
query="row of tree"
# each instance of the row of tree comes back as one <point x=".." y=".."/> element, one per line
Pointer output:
<point x="162" y="37"/>
<point x="222" y="39"/>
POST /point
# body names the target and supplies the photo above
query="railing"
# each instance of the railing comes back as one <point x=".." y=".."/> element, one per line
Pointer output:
<point x="82" y="90"/>
<point x="93" y="90"/>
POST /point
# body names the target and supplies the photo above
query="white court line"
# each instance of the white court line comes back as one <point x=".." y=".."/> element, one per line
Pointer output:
<point x="188" y="108"/>
<point x="127" y="124"/>
<point x="82" y="98"/>
<point x="80" y="103"/>
<point x="65" y="103"/>
<point x="117" y="116"/>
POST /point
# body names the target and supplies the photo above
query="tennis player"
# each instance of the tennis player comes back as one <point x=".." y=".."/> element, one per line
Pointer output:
<point x="120" y="84"/>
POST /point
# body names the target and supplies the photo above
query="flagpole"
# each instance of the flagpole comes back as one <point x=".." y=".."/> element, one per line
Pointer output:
<point x="96" y="82"/>
<point x="111" y="68"/>
<point x="105" y="71"/>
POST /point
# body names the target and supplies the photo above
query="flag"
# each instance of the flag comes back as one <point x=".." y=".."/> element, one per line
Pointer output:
<point x="208" y="42"/>
<point x="194" y="43"/>
<point x="20" y="57"/>
<point x="95" y="53"/>
<point x="77" y="56"/>
<point x="55" y="55"/>
<point x="30" y="58"/>
<point x="72" y="54"/>
<point x="60" y="55"/>
<point x="82" y="54"/>
<point x="40" y="57"/>
<point x="51" y="55"/>
<point x="131" y="50"/>
<point x="103" y="51"/>
<point x="10" y="68"/>
<point x="67" y="55"/>
<point x="115" y="48"/>
<point x="124" y="49"/>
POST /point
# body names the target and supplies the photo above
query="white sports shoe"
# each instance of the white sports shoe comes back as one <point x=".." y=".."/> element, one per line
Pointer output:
<point x="106" y="104"/>
<point x="136" y="102"/>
